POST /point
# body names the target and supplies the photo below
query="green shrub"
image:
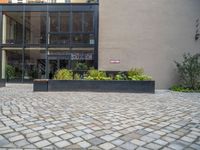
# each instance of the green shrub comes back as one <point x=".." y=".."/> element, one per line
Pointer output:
<point x="96" y="75"/>
<point x="77" y="76"/>
<point x="120" y="76"/>
<point x="138" y="75"/>
<point x="179" y="88"/>
<point x="63" y="74"/>
<point x="10" y="72"/>
<point x="189" y="71"/>
<point x="81" y="66"/>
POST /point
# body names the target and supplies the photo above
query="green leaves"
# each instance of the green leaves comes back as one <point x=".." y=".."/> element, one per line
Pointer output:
<point x="10" y="72"/>
<point x="138" y="75"/>
<point x="189" y="71"/>
<point x="96" y="75"/>
<point x="63" y="74"/>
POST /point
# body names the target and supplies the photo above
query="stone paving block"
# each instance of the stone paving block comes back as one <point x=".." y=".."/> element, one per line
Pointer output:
<point x="88" y="136"/>
<point x="9" y="135"/>
<point x="78" y="133"/>
<point x="32" y="134"/>
<point x="4" y="142"/>
<point x="168" y="139"/>
<point x="42" y="144"/>
<point x="195" y="146"/>
<point x="147" y="139"/>
<point x="107" y="146"/>
<point x="117" y="142"/>
<point x="16" y="138"/>
<point x="88" y="130"/>
<point x="21" y="143"/>
<point x="76" y="140"/>
<point x="54" y="139"/>
<point x="153" y="146"/>
<point x="142" y="148"/>
<point x="84" y="144"/>
<point x="34" y="139"/>
<point x="62" y="144"/>
<point x="128" y="146"/>
<point x="161" y="142"/>
<point x="67" y="136"/>
<point x="60" y="132"/>
<point x="187" y="139"/>
<point x="138" y="142"/>
<point x="108" y="138"/>
<point x="96" y="141"/>
<point x="176" y="146"/>
<point x="46" y="131"/>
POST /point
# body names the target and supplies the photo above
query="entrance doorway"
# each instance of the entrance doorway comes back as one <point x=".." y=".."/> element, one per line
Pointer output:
<point x="56" y="63"/>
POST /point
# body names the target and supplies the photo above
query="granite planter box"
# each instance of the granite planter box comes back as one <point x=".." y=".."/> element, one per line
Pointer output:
<point x="100" y="86"/>
<point x="40" y="85"/>
<point x="2" y="83"/>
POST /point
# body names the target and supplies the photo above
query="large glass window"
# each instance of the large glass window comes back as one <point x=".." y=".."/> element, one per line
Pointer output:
<point x="35" y="28"/>
<point x="83" y="39"/>
<point x="82" y="22"/>
<point x="77" y="22"/>
<point x="88" y="22"/>
<point x="12" y="32"/>
<point x="13" y="64"/>
<point x="56" y="39"/>
<point x="34" y="64"/>
<point x="54" y="26"/>
<point x="64" y="22"/>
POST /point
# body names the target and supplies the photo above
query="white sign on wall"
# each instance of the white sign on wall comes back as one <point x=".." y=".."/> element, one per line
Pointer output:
<point x="114" y="61"/>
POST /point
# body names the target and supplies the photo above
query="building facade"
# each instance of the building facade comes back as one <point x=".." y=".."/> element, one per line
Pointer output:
<point x="112" y="35"/>
<point x="38" y="39"/>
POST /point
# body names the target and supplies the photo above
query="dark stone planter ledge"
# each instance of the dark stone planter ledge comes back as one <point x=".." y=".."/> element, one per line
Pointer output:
<point x="94" y="86"/>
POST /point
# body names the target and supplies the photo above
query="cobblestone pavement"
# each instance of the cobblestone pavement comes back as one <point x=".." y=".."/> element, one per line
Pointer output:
<point x="121" y="121"/>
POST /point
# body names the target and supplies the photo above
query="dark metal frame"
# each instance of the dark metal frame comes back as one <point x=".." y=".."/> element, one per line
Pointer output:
<point x="77" y="7"/>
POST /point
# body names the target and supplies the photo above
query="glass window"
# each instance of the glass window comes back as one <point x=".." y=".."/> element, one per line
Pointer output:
<point x="34" y="64"/>
<point x="35" y="28"/>
<point x="64" y="22"/>
<point x="54" y="26"/>
<point x="57" y="39"/>
<point x="12" y="28"/>
<point x="77" y="22"/>
<point x="13" y="68"/>
<point x="83" y="39"/>
<point x="88" y="22"/>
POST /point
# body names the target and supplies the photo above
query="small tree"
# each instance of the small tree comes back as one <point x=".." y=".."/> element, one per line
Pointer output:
<point x="10" y="72"/>
<point x="189" y="71"/>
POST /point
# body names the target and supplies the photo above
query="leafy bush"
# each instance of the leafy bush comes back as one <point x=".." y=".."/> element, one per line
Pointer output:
<point x="189" y="71"/>
<point x="63" y="74"/>
<point x="138" y="75"/>
<point x="81" y="66"/>
<point x="96" y="75"/>
<point x="120" y="76"/>
<point x="179" y="88"/>
<point x="77" y="76"/>
<point x="10" y="72"/>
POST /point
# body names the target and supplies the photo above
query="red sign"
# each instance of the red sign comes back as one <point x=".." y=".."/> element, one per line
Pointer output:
<point x="112" y="61"/>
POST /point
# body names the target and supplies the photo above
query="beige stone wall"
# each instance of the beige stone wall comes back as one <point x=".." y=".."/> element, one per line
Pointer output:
<point x="149" y="34"/>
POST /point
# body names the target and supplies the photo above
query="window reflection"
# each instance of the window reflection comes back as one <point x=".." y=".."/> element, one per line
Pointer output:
<point x="34" y="64"/>
<point x="56" y="39"/>
<point x="12" y="28"/>
<point x="83" y="39"/>
<point x="77" y="22"/>
<point x="35" y="28"/>
<point x="13" y="67"/>
<point x="88" y="22"/>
